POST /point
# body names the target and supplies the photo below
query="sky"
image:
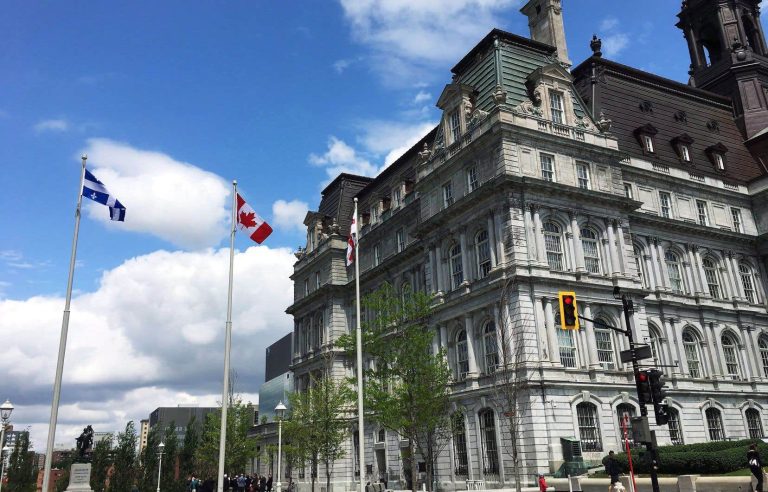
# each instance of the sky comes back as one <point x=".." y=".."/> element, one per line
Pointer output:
<point x="173" y="100"/>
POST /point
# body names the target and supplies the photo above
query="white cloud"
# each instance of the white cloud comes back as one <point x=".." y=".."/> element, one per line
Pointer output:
<point x="341" y="158"/>
<point x="341" y="65"/>
<point x="392" y="139"/>
<point x="614" y="44"/>
<point x="408" y="39"/>
<point x="290" y="215"/>
<point x="150" y="335"/>
<point x="421" y="97"/>
<point x="53" y="125"/>
<point x="176" y="201"/>
<point x="609" y="23"/>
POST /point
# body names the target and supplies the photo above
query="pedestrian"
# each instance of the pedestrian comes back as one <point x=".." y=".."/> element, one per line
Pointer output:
<point x="755" y="466"/>
<point x="269" y="483"/>
<point x="611" y="469"/>
<point x="542" y="483"/>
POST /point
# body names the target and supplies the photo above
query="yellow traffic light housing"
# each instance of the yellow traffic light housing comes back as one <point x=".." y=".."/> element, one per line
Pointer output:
<point x="569" y="312"/>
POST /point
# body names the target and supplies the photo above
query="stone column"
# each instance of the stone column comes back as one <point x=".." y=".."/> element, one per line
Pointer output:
<point x="622" y="247"/>
<point x="615" y="268"/>
<point x="433" y="270"/>
<point x="753" y="342"/>
<point x="725" y="274"/>
<point x="491" y="239"/>
<point x="699" y="282"/>
<point x="594" y="362"/>
<point x="539" y="236"/>
<point x="687" y="271"/>
<point x="530" y="234"/>
<point x="471" y="355"/>
<point x="570" y="257"/>
<point x="715" y="351"/>
<point x="605" y="255"/>
<point x="577" y="246"/>
<point x="466" y="265"/>
<point x="663" y="266"/>
<point x="498" y="217"/>
<point x="655" y="263"/>
<point x="549" y="319"/>
<point x="739" y="288"/>
<point x="675" y="342"/>
<point x="501" y="336"/>
<point x="649" y="271"/>
<point x="748" y="371"/>
<point x="436" y="340"/>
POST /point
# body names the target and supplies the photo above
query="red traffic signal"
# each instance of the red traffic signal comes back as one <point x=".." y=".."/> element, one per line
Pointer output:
<point x="569" y="312"/>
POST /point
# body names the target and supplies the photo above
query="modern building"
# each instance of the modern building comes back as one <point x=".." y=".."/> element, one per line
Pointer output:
<point x="539" y="179"/>
<point x="143" y="434"/>
<point x="180" y="416"/>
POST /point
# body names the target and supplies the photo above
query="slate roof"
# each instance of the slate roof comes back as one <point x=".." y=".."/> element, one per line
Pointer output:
<point x="338" y="198"/>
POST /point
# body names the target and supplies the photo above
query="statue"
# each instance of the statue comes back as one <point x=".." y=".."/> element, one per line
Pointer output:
<point x="85" y="442"/>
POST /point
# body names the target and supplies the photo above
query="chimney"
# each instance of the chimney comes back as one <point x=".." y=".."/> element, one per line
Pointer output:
<point x="545" y="20"/>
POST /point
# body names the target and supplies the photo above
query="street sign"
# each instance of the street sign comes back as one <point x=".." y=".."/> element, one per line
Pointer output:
<point x="641" y="352"/>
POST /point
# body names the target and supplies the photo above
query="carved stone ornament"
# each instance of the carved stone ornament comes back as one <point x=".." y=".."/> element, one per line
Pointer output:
<point x="299" y="254"/>
<point x="532" y="106"/>
<point x="583" y="123"/>
<point x="425" y="153"/>
<point x="604" y="124"/>
<point x="499" y="95"/>
<point x="476" y="117"/>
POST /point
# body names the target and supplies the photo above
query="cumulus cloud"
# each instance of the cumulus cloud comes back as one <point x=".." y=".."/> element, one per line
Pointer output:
<point x="422" y="97"/>
<point x="151" y="334"/>
<point x="52" y="125"/>
<point x="408" y="40"/>
<point x="615" y="40"/>
<point x="290" y="215"/>
<point x="161" y="194"/>
<point x="341" y="65"/>
<point x="392" y="138"/>
<point x="341" y="158"/>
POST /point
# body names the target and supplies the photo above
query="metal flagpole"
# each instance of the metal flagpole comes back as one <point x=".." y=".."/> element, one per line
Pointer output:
<point x="360" y="435"/>
<point x="63" y="339"/>
<point x="227" y="343"/>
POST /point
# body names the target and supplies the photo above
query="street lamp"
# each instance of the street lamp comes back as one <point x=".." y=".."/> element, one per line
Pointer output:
<point x="160" y="448"/>
<point x="280" y="412"/>
<point x="5" y="415"/>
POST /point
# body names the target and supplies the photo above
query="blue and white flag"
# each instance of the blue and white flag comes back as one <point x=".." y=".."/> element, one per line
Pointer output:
<point x="96" y="191"/>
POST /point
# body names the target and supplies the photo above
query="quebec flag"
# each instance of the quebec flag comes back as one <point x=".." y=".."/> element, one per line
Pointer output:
<point x="96" y="191"/>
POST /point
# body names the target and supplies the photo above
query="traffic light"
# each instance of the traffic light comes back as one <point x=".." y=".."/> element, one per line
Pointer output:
<point x="643" y="387"/>
<point x="659" y="395"/>
<point x="569" y="313"/>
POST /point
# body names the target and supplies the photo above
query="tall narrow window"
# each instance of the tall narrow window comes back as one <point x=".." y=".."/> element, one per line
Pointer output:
<point x="455" y="121"/>
<point x="490" y="347"/>
<point x="719" y="162"/>
<point x="648" y="143"/>
<point x="471" y="179"/>
<point x="554" y="245"/>
<point x="488" y="437"/>
<point x="685" y="153"/>
<point x="754" y="424"/>
<point x="589" y="432"/>
<point x="655" y="344"/>
<point x="641" y="273"/>
<point x="675" y="272"/>
<point x="306" y="286"/>
<point x="447" y="194"/>
<point x="738" y="225"/>
<point x="374" y="214"/>
<point x="692" y="354"/>
<point x="462" y="356"/>
<point x="400" y="239"/>
<point x="567" y="348"/>
<point x="457" y="268"/>
<point x="590" y="245"/>
<point x="675" y="430"/>
<point x="376" y="255"/>
<point x="582" y="175"/>
<point x="628" y="191"/>
<point x="604" y="345"/>
<point x="548" y="167"/>
<point x="319" y="330"/>
<point x="745" y="272"/>
<point x="763" y="345"/>
<point x="711" y="274"/>
<point x="701" y="210"/>
<point x="396" y="197"/>
<point x="461" y="464"/>
<point x="666" y="204"/>
<point x="625" y="410"/>
<point x="317" y="280"/>
<point x="556" y="106"/>
<point x="483" y="249"/>
<point x="715" y="424"/>
<point x="730" y="350"/>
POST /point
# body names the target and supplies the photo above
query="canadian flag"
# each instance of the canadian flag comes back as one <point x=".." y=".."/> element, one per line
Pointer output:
<point x="250" y="222"/>
<point x="352" y="239"/>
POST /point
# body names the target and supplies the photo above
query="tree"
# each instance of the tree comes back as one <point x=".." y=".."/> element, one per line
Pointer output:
<point x="317" y="427"/>
<point x="168" y="480"/>
<point x="124" y="473"/>
<point x="188" y="447"/>
<point x="407" y="386"/>
<point x="101" y="461"/>
<point x="147" y="476"/>
<point x="22" y="474"/>
<point x="239" y="448"/>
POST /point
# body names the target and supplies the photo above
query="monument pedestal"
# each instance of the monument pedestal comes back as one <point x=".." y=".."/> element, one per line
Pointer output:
<point x="80" y="478"/>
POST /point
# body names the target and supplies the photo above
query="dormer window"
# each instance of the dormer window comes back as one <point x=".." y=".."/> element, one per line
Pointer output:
<point x="556" y="107"/>
<point x="685" y="153"/>
<point x="645" y="135"/>
<point x="648" y="143"/>
<point x="408" y="185"/>
<point x="682" y="145"/>
<point x="396" y="197"/>
<point x="386" y="203"/>
<point x="455" y="125"/>
<point x="374" y="214"/>
<point x="716" y="154"/>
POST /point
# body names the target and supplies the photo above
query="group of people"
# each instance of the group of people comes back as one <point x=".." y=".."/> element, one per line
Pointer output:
<point x="232" y="483"/>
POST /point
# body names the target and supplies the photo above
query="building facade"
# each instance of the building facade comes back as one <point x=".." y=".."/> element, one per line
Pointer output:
<point x="538" y="180"/>
<point x="178" y="417"/>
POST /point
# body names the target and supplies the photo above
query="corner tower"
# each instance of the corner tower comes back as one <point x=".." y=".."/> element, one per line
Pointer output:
<point x="729" y="56"/>
<point x="545" y="20"/>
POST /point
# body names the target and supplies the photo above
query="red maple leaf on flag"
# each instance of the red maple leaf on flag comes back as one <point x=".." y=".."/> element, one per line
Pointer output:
<point x="247" y="219"/>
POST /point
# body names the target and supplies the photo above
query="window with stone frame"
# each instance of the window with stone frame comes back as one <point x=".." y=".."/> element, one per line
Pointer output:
<point x="590" y="244"/>
<point x="454" y="120"/>
<point x="715" y="424"/>
<point x="713" y="277"/>
<point x="716" y="154"/>
<point x="748" y="282"/>
<point x="738" y="224"/>
<point x="622" y="410"/>
<point x="547" y="167"/>
<point x="462" y="356"/>
<point x="376" y="255"/>
<point x="675" y="272"/>
<point x="675" y="429"/>
<point x="655" y="343"/>
<point x="665" y="201"/>
<point x="582" y="175"/>
<point x="702" y="212"/>
<point x="640" y="264"/>
<point x="483" y="252"/>
<point x="447" y="194"/>
<point x="731" y="355"/>
<point x="461" y="463"/>
<point x="692" y="349"/>
<point x="488" y="440"/>
<point x="400" y="240"/>
<point x="472" y="183"/>
<point x="566" y="347"/>
<point x="628" y="191"/>
<point x="589" y="429"/>
<point x="396" y="197"/>
<point x="604" y="342"/>
<point x="754" y="423"/>
<point x="319" y="330"/>
<point x="762" y="344"/>
<point x="557" y="107"/>
<point x="457" y="267"/>
<point x="553" y="244"/>
<point x="490" y="348"/>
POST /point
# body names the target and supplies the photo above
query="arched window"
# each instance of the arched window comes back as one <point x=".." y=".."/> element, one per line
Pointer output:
<point x="675" y="430"/>
<point x="488" y="438"/>
<point x="641" y="273"/>
<point x="713" y="278"/>
<point x="457" y="267"/>
<point x="589" y="431"/>
<point x="462" y="356"/>
<point x="730" y="352"/>
<point x="553" y="243"/>
<point x="591" y="247"/>
<point x="604" y="342"/>
<point x="754" y="424"/>
<point x="319" y="330"/>
<point x="748" y="282"/>
<point x="715" y="424"/>
<point x="675" y="271"/>
<point x="490" y="347"/>
<point x="692" y="353"/>
<point x="763" y="345"/>
<point x="625" y="409"/>
<point x="483" y="250"/>
<point x="567" y="347"/>
<point x="461" y="467"/>
<point x="655" y="343"/>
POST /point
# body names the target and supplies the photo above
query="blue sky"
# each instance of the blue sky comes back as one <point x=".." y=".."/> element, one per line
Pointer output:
<point x="172" y="100"/>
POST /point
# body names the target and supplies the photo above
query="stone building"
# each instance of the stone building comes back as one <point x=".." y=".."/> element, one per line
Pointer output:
<point x="541" y="179"/>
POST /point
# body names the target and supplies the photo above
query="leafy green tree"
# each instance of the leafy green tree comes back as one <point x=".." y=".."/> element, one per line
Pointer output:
<point x="21" y="474"/>
<point x="239" y="448"/>
<point x="147" y="474"/>
<point x="168" y="480"/>
<point x="407" y="386"/>
<point x="125" y="473"/>
<point x="187" y="452"/>
<point x="101" y="461"/>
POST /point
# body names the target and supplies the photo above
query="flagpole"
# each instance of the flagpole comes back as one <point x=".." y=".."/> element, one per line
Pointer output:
<point x="358" y="332"/>
<point x="227" y="343"/>
<point x="63" y="339"/>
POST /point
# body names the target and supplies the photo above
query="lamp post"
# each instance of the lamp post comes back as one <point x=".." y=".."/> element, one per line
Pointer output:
<point x="5" y="454"/>
<point x="280" y="412"/>
<point x="5" y="415"/>
<point x="160" y="448"/>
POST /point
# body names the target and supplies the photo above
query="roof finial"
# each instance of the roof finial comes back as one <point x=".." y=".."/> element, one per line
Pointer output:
<point x="596" y="44"/>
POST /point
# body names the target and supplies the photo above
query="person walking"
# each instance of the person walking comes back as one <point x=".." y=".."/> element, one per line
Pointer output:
<point x="755" y="466"/>
<point x="612" y="468"/>
<point x="542" y="483"/>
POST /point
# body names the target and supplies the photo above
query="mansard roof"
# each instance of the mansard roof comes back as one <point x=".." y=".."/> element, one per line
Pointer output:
<point x="632" y="98"/>
<point x="337" y="198"/>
